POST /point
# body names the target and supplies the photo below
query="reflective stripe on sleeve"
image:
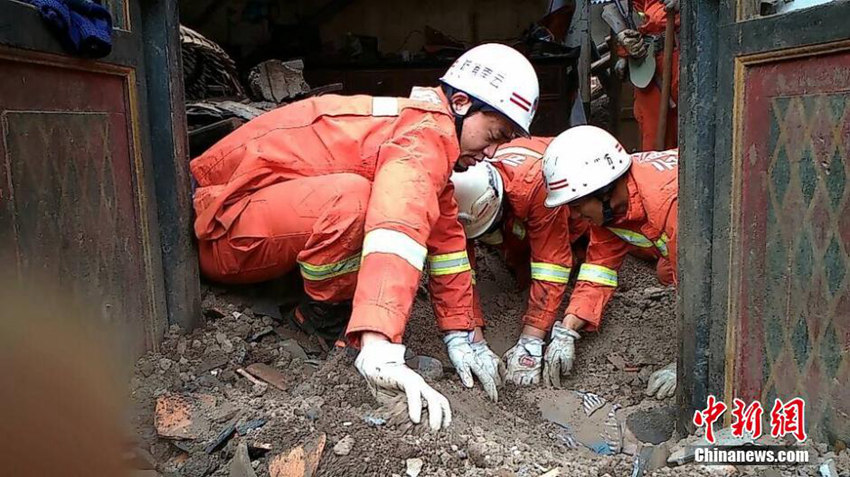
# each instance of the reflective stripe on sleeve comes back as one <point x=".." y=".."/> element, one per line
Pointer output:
<point x="598" y="274"/>
<point x="448" y="263"/>
<point x="632" y="237"/>
<point x="330" y="270"/>
<point x="549" y="272"/>
<point x="661" y="244"/>
<point x="396" y="243"/>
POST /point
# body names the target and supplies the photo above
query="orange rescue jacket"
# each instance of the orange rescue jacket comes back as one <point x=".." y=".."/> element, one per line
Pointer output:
<point x="649" y="223"/>
<point x="406" y="148"/>
<point x="548" y="231"/>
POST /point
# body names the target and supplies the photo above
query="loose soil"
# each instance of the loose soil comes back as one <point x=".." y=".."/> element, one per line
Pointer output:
<point x="325" y="394"/>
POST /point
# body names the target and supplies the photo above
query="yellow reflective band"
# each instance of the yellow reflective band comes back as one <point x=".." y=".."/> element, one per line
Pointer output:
<point x="330" y="270"/>
<point x="631" y="237"/>
<point x="448" y="263"/>
<point x="598" y="274"/>
<point x="519" y="230"/>
<point x="549" y="272"/>
<point x="474" y="281"/>
<point x="661" y="244"/>
<point x="396" y="243"/>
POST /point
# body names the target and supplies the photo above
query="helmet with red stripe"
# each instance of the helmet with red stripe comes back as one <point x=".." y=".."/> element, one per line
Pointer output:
<point x="581" y="161"/>
<point x="501" y="78"/>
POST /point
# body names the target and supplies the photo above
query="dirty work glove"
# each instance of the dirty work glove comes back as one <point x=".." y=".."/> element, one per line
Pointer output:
<point x="620" y="67"/>
<point x="525" y="361"/>
<point x="662" y="383"/>
<point x="470" y="358"/>
<point x="633" y="43"/>
<point x="560" y="353"/>
<point x="671" y="5"/>
<point x="382" y="364"/>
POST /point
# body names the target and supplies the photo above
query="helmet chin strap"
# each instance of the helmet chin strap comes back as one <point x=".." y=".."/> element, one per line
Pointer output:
<point x="607" y="212"/>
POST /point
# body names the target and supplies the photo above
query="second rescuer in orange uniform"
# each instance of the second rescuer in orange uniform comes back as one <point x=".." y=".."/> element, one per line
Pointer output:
<point x="632" y="202"/>
<point x="353" y="190"/>
<point x="501" y="204"/>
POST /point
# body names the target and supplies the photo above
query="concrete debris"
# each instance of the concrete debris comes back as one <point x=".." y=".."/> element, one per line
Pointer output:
<point x="212" y="362"/>
<point x="240" y="465"/>
<point x="268" y="374"/>
<point x="301" y="461"/>
<point x="294" y="349"/>
<point x="343" y="447"/>
<point x="183" y="416"/>
<point x="828" y="469"/>
<point x="414" y="467"/>
<point x="198" y="465"/>
<point x="618" y="361"/>
<point x="652" y="426"/>
<point x="428" y="367"/>
<point x="277" y="81"/>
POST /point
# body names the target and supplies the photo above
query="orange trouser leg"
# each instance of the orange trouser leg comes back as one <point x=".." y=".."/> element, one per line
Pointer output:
<point x="314" y="222"/>
<point x="647" y="102"/>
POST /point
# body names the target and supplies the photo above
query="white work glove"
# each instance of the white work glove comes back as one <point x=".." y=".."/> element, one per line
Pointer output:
<point x="560" y="353"/>
<point x="470" y="358"/>
<point x="525" y="361"/>
<point x="382" y="364"/>
<point x="633" y="42"/>
<point x="662" y="383"/>
<point x="671" y="5"/>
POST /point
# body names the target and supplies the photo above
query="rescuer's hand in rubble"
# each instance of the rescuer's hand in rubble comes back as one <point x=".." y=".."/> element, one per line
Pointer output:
<point x="474" y="358"/>
<point x="633" y="42"/>
<point x="671" y="5"/>
<point x="560" y="354"/>
<point x="662" y="383"/>
<point x="525" y="361"/>
<point x="382" y="364"/>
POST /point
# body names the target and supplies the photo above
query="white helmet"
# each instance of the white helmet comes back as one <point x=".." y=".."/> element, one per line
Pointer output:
<point x="501" y="78"/>
<point x="478" y="192"/>
<point x="581" y="161"/>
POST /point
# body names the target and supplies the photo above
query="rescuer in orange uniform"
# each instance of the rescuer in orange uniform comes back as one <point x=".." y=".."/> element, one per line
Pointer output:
<point x="501" y="204"/>
<point x="354" y="191"/>
<point x="632" y="202"/>
<point x="635" y="44"/>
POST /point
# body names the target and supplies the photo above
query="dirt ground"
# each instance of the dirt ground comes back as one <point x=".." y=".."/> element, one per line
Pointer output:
<point x="325" y="394"/>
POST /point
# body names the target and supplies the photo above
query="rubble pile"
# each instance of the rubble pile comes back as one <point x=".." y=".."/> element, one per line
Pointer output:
<point x="217" y="102"/>
<point x="249" y="396"/>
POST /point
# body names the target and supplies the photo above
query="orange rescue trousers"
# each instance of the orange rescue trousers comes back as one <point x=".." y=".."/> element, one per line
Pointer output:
<point x="307" y="220"/>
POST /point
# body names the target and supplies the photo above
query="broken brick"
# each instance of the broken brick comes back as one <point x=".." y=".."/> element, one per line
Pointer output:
<point x="301" y="461"/>
<point x="183" y="416"/>
<point x="268" y="374"/>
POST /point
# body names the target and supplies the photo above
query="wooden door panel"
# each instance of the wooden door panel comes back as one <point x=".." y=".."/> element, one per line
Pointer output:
<point x="75" y="214"/>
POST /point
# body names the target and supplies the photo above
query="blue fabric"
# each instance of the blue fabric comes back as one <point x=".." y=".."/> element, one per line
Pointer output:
<point x="84" y="27"/>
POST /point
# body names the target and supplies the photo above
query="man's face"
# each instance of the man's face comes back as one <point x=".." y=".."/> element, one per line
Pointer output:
<point x="482" y="133"/>
<point x="587" y="208"/>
